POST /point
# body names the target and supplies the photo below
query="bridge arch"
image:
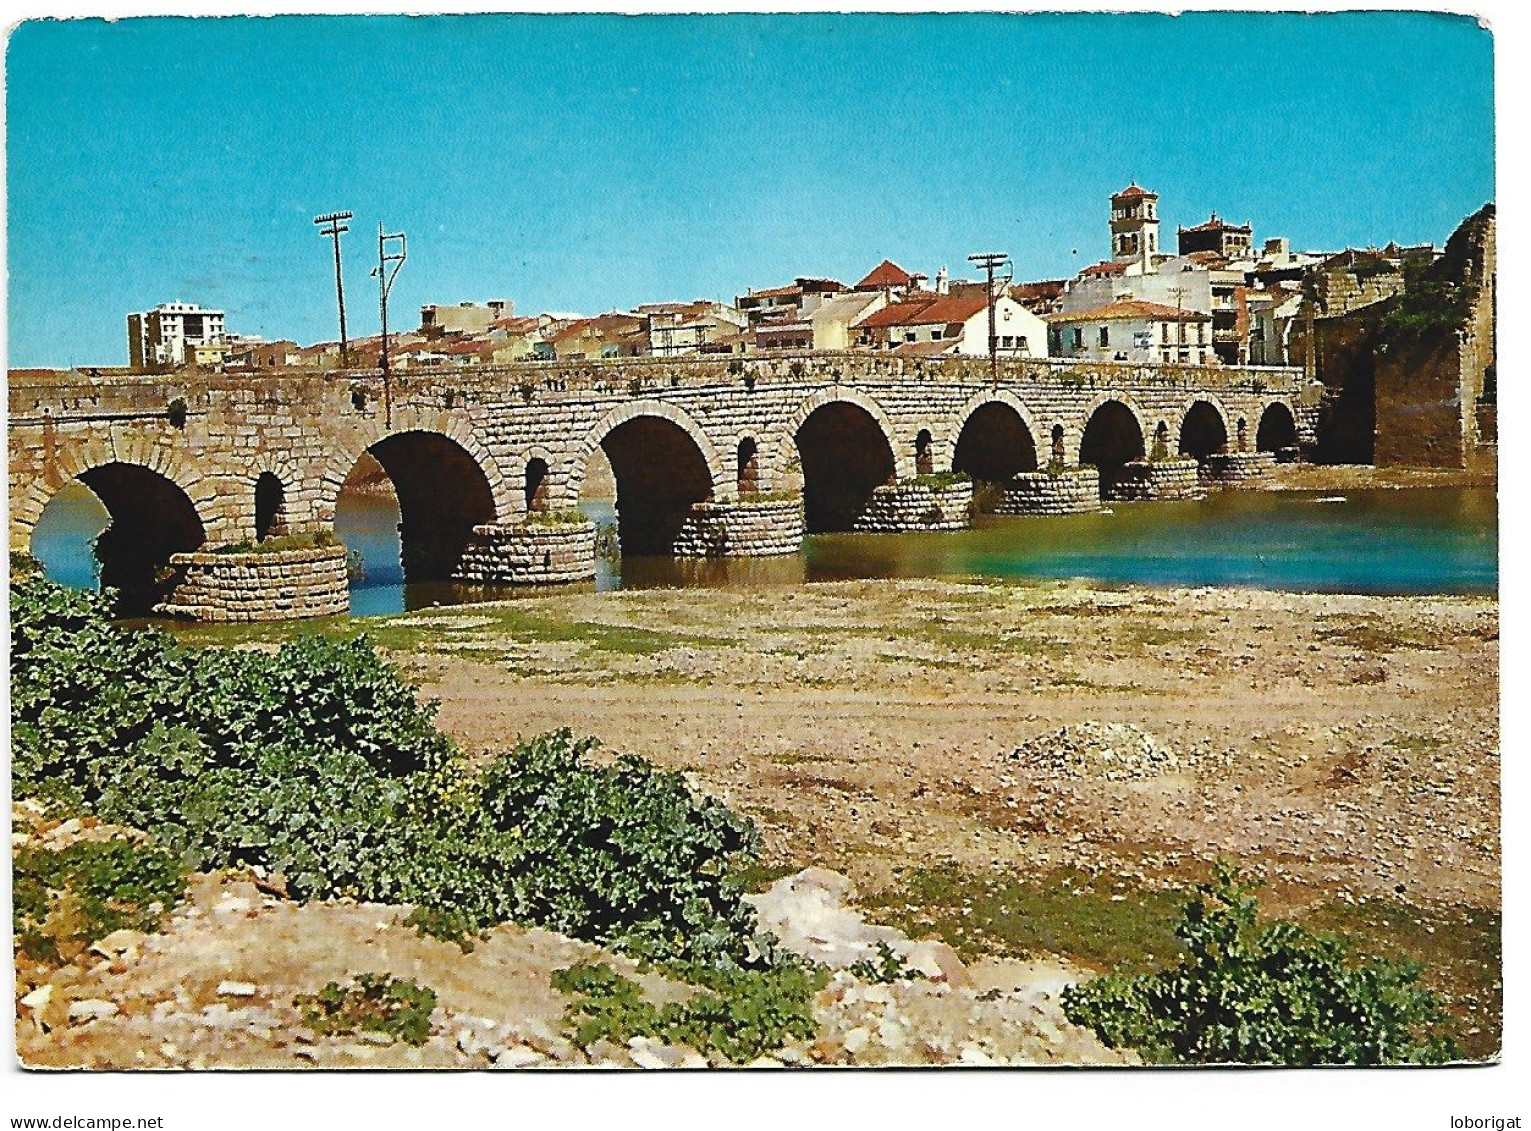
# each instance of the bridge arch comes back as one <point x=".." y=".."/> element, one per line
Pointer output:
<point x="663" y="464"/>
<point x="1113" y="437"/>
<point x="1203" y="429"/>
<point x="996" y="438"/>
<point x="446" y="485"/>
<point x="152" y="515"/>
<point x="844" y="444"/>
<point x="1277" y="428"/>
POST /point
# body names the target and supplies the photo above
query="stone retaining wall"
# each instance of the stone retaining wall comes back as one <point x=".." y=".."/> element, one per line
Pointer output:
<point x="529" y="555"/>
<point x="1232" y="468"/>
<point x="1158" y="479"/>
<point x="742" y="529"/>
<point x="1074" y="490"/>
<point x="286" y="585"/>
<point x="906" y="507"/>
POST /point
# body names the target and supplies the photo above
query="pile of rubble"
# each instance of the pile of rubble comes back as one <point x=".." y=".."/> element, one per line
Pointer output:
<point x="1113" y="751"/>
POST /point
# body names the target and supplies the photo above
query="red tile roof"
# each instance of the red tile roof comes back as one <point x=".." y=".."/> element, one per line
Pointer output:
<point x="885" y="274"/>
<point x="955" y="307"/>
<point x="1106" y="267"/>
<point x="1135" y="309"/>
<point x="1217" y="224"/>
<point x="1043" y="288"/>
<point x="1134" y="190"/>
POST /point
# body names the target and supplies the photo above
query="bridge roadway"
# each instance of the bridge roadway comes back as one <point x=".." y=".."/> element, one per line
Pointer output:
<point x="712" y="455"/>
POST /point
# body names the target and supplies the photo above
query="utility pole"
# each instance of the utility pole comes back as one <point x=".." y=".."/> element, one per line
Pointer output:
<point x="333" y="219"/>
<point x="385" y="279"/>
<point x="989" y="260"/>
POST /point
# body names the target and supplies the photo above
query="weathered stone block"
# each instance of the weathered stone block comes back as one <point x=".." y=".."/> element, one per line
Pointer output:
<point x="1073" y="490"/>
<point x="907" y="507"/>
<point x="1158" y="479"/>
<point x="742" y="528"/>
<point x="258" y="586"/>
<point x="529" y="554"/>
<point x="1232" y="468"/>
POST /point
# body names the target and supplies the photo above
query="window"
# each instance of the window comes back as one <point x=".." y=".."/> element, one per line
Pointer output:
<point x="935" y="334"/>
<point x="1105" y="336"/>
<point x="1008" y="342"/>
<point x="1021" y="344"/>
<point x="1078" y="338"/>
<point x="910" y="335"/>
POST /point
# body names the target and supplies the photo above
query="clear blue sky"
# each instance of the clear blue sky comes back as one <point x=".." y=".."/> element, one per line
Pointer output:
<point x="589" y="162"/>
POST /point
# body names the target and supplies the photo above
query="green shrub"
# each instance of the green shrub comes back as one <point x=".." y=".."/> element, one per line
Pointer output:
<point x="318" y="763"/>
<point x="886" y="967"/>
<point x="370" y="1003"/>
<point x="1431" y="309"/>
<point x="941" y="480"/>
<point x="1272" y="995"/>
<point x="734" y="1013"/>
<point x="65" y="900"/>
<point x="556" y="518"/>
<point x="622" y="855"/>
<point x="304" y="540"/>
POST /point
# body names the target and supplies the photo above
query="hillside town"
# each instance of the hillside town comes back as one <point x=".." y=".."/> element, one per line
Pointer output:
<point x="1221" y="297"/>
<point x="1218" y="298"/>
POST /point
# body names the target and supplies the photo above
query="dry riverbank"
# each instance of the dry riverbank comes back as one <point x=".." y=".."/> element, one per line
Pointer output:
<point x="946" y="745"/>
<point x="1344" y="748"/>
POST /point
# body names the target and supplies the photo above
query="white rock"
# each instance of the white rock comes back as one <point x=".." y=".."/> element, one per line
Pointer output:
<point x="39" y="997"/>
<point x="91" y="1009"/>
<point x="645" y="1057"/>
<point x="236" y="989"/>
<point x="857" y="1039"/>
<point x="519" y="1056"/>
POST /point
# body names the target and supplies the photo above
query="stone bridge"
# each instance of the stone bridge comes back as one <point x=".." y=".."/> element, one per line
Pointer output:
<point x="711" y="456"/>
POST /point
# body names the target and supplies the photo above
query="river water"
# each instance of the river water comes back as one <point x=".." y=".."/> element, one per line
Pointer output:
<point x="1424" y="540"/>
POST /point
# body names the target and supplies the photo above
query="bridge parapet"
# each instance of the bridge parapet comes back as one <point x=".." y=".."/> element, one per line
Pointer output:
<point x="69" y="395"/>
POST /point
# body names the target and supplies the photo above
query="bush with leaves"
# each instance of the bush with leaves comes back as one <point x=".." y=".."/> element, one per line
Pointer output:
<point x="734" y="1013"/>
<point x="370" y="1003"/>
<point x="64" y="900"/>
<point x="319" y="763"/>
<point x="1263" y="995"/>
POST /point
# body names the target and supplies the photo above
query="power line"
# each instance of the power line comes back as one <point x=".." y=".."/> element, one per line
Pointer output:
<point x="333" y="231"/>
<point x="989" y="260"/>
<point x="385" y="280"/>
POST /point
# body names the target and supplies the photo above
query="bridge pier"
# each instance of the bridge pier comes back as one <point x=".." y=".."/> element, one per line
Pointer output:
<point x="1157" y="479"/>
<point x="537" y="552"/>
<point x="1232" y="468"/>
<point x="898" y="508"/>
<point x="742" y="528"/>
<point x="1068" y="490"/>
<point x="281" y="585"/>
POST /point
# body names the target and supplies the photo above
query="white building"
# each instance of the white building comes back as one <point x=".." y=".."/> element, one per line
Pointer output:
<point x="1144" y="333"/>
<point x="159" y="337"/>
<point x="957" y="323"/>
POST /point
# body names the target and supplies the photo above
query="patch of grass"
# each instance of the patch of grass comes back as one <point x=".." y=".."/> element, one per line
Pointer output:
<point x="1368" y="634"/>
<point x="1411" y="743"/>
<point x="1157" y="636"/>
<point x="370" y="1003"/>
<point x="306" y="540"/>
<point x="797" y="758"/>
<point x="1460" y="948"/>
<point x="1059" y="912"/>
<point x="66" y="900"/>
<point x="756" y="876"/>
<point x="735" y="1014"/>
